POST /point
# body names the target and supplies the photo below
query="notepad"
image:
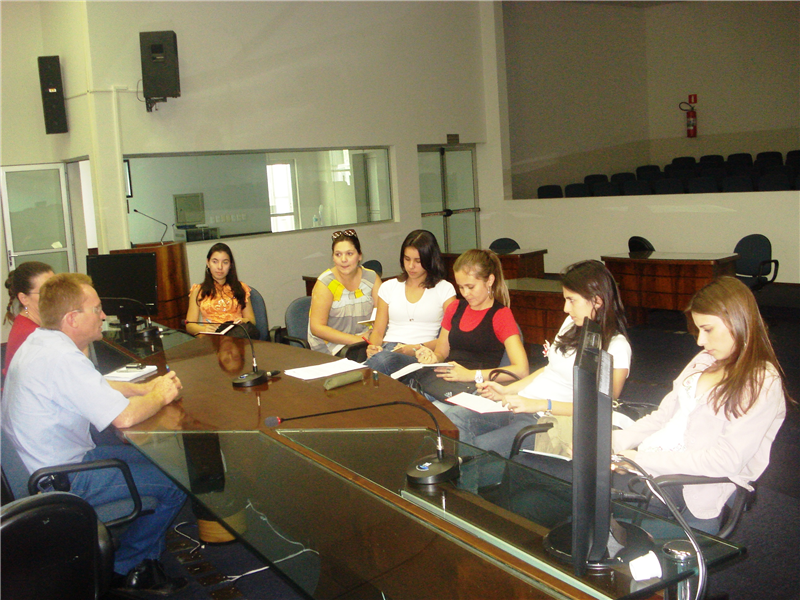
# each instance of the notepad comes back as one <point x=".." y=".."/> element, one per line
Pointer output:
<point x="477" y="403"/>
<point x="129" y="374"/>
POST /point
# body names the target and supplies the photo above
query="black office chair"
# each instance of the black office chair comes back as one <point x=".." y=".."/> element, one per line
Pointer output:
<point x="755" y="261"/>
<point x="374" y="265"/>
<point x="504" y="246"/>
<point x="683" y="162"/>
<point x="54" y="546"/>
<point x="296" y="331"/>
<point x="639" y="244"/>
<point x="793" y="159"/>
<point x="549" y="191"/>
<point x="577" y="190"/>
<point x="768" y="158"/>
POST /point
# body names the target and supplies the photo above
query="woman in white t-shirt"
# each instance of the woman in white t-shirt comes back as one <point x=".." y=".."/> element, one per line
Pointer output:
<point x="590" y="292"/>
<point x="410" y="308"/>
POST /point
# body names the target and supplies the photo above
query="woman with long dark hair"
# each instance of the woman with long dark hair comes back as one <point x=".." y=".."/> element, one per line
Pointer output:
<point x="590" y="292"/>
<point x="410" y="308"/>
<point x="221" y="298"/>
<point x="724" y="410"/>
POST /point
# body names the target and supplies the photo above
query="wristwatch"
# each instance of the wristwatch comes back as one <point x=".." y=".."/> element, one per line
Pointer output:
<point x="478" y="376"/>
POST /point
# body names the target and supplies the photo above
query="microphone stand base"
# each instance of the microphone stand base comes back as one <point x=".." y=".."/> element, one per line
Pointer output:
<point x="250" y="379"/>
<point x="431" y="470"/>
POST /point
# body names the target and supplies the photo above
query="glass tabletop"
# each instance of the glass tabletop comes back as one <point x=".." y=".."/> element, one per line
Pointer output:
<point x="332" y="536"/>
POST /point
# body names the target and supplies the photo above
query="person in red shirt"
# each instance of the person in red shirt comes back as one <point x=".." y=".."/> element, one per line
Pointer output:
<point x="23" y="285"/>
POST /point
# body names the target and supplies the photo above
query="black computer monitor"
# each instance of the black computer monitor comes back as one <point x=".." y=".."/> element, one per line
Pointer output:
<point x="127" y="285"/>
<point x="585" y="540"/>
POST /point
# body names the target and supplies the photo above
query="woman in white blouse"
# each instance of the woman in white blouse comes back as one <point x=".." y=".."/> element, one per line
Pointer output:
<point x="410" y="308"/>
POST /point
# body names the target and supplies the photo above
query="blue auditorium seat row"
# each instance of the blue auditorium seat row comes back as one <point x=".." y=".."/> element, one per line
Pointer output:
<point x="711" y="174"/>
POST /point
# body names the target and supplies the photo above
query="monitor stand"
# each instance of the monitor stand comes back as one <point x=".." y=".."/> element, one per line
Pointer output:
<point x="128" y="328"/>
<point x="625" y="542"/>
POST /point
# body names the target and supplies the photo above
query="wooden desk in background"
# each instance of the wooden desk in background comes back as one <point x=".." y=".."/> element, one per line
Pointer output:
<point x="538" y="307"/>
<point x="518" y="264"/>
<point x="665" y="280"/>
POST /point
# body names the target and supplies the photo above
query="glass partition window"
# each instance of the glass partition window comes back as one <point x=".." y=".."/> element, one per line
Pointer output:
<point x="247" y="193"/>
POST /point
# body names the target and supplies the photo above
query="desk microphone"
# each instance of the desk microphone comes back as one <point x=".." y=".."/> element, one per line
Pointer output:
<point x="257" y="376"/>
<point x="429" y="470"/>
<point x="166" y="227"/>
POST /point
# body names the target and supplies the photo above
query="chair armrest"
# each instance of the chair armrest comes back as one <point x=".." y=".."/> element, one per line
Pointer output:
<point x="274" y="334"/>
<point x="109" y="463"/>
<point x="285" y="339"/>
<point x="524" y="433"/>
<point x="679" y="479"/>
<point x="765" y="266"/>
<point x="356" y="352"/>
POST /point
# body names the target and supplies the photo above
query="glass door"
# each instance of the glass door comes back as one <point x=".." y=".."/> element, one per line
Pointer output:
<point x="448" y="195"/>
<point x="36" y="216"/>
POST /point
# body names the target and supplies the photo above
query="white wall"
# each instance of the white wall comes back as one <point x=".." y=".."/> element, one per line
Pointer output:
<point x="574" y="229"/>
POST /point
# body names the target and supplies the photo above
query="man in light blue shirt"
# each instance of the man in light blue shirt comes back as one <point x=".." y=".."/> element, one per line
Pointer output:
<point x="53" y="393"/>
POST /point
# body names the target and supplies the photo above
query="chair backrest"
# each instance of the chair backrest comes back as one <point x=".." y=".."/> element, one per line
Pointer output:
<point x="769" y="158"/>
<point x="549" y="191"/>
<point x="15" y="473"/>
<point x="649" y="173"/>
<point x="260" y="310"/>
<point x="637" y="188"/>
<point x="504" y="246"/>
<point x="595" y="178"/>
<point x="702" y="185"/>
<point x="740" y="158"/>
<point x="737" y="183"/>
<point x="297" y="317"/>
<point x="620" y="178"/>
<point x="51" y="550"/>
<point x="639" y="244"/>
<point x="374" y="265"/>
<point x="668" y="186"/>
<point x="683" y="162"/>
<point x="752" y="249"/>
<point x="772" y="182"/>
<point x="606" y="188"/>
<point x="712" y="159"/>
<point x="576" y="190"/>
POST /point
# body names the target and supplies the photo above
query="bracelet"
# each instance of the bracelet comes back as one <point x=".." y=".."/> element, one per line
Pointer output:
<point x="549" y="405"/>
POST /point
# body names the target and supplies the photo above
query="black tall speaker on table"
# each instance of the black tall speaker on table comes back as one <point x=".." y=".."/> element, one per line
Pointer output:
<point x="55" y="112"/>
<point x="160" y="72"/>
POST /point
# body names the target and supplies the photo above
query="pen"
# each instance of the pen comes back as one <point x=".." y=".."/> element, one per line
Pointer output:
<point x="365" y="339"/>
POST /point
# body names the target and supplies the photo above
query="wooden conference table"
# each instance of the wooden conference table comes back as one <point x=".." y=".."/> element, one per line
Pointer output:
<point x="665" y="280"/>
<point x="326" y="502"/>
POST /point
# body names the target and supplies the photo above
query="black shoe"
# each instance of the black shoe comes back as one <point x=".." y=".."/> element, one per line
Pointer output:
<point x="148" y="577"/>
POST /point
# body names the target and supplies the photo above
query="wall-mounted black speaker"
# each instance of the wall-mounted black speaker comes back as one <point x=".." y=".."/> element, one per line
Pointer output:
<point x="55" y="112"/>
<point x="160" y="73"/>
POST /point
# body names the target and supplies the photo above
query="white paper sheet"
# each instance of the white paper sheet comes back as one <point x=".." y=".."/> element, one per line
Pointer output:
<point x="326" y="370"/>
<point x="477" y="403"/>
<point x="415" y="367"/>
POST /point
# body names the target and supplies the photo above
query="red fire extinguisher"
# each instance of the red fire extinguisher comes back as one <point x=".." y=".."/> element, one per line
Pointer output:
<point x="691" y="119"/>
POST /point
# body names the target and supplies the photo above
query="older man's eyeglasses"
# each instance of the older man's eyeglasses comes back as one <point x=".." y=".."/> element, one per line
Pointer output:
<point x="95" y="309"/>
<point x="346" y="232"/>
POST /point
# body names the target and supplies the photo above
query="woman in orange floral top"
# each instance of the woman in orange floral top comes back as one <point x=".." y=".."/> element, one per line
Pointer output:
<point x="221" y="297"/>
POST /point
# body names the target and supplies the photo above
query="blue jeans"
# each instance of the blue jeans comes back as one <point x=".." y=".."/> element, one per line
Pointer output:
<point x="387" y="362"/>
<point x="144" y="537"/>
<point x="490" y="431"/>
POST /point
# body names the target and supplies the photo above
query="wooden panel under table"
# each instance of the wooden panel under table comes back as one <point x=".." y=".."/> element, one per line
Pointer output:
<point x="665" y="280"/>
<point x="538" y="307"/>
